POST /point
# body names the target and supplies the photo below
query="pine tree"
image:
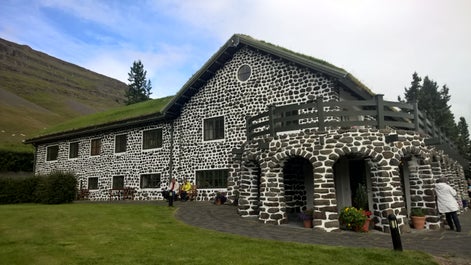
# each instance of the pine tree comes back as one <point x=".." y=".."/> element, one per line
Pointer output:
<point x="139" y="87"/>
<point x="463" y="142"/>
<point x="411" y="93"/>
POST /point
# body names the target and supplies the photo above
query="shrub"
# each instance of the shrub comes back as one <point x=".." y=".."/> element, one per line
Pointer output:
<point x="57" y="187"/>
<point x="16" y="161"/>
<point x="18" y="190"/>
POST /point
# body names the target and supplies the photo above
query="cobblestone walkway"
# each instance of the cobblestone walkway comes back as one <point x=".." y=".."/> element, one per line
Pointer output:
<point x="441" y="243"/>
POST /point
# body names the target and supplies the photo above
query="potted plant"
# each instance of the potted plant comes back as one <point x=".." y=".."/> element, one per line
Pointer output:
<point x="306" y="216"/>
<point x="418" y="218"/>
<point x="352" y="218"/>
<point x="220" y="198"/>
<point x="366" y="225"/>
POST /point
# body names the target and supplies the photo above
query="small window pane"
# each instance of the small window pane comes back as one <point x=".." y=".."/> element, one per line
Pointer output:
<point x="150" y="181"/>
<point x="213" y="128"/>
<point x="73" y="150"/>
<point x="120" y="142"/>
<point x="52" y="153"/>
<point x="93" y="183"/>
<point x="207" y="179"/>
<point x="244" y="72"/>
<point x="118" y="182"/>
<point x="95" y="147"/>
<point x="152" y="139"/>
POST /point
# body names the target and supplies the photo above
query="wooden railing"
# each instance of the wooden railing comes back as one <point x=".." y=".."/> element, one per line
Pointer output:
<point x="375" y="113"/>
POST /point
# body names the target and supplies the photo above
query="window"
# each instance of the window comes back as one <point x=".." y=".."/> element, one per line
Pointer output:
<point x="152" y="139"/>
<point x="52" y="152"/>
<point x="290" y="115"/>
<point x="244" y="72"/>
<point x="73" y="150"/>
<point x="150" y="181"/>
<point x="95" y="147"/>
<point x="118" y="182"/>
<point x="212" y="178"/>
<point x="93" y="183"/>
<point x="213" y="128"/>
<point x="120" y="142"/>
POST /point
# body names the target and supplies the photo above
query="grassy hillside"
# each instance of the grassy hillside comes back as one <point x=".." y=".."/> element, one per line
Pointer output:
<point x="38" y="91"/>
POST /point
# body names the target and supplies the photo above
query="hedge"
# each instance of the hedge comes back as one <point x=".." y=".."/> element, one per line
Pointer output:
<point x="55" y="188"/>
<point x="16" y="161"/>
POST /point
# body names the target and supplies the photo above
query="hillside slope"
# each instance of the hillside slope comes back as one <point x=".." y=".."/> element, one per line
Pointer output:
<point x="38" y="91"/>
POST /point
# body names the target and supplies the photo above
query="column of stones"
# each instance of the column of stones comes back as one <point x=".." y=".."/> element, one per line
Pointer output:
<point x="271" y="193"/>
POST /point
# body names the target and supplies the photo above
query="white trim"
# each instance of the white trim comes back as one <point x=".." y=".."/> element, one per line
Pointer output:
<point x="101" y="145"/>
<point x="47" y="151"/>
<point x="142" y="139"/>
<point x="215" y="140"/>
<point x="97" y="183"/>
<point x="114" y="144"/>
<point x="78" y="150"/>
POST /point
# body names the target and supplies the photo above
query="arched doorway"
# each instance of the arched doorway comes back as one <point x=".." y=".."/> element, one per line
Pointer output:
<point x="298" y="185"/>
<point x="352" y="176"/>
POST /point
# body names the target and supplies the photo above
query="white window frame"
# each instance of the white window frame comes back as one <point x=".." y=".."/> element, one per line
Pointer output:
<point x="224" y="129"/>
<point x="154" y="148"/>
<point x="47" y="153"/>
<point x="125" y="144"/>
<point x="78" y="150"/>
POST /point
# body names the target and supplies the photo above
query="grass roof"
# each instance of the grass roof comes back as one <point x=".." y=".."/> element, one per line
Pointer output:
<point x="133" y="111"/>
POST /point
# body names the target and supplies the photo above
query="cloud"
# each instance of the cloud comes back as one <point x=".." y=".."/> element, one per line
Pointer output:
<point x="380" y="42"/>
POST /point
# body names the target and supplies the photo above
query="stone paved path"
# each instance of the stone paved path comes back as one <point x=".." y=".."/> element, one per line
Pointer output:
<point x="454" y="247"/>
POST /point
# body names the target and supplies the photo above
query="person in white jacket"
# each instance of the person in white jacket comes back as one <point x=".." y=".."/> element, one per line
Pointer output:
<point x="447" y="204"/>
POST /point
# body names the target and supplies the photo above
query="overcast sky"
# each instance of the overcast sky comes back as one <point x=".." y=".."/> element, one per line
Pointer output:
<point x="382" y="43"/>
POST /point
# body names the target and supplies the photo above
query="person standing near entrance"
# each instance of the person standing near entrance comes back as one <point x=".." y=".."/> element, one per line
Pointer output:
<point x="447" y="204"/>
<point x="173" y="189"/>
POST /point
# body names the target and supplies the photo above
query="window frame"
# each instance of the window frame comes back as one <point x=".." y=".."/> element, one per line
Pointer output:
<point x="244" y="72"/>
<point x="155" y="186"/>
<point x="119" y="144"/>
<point x="88" y="183"/>
<point x="54" y="157"/>
<point x="118" y="179"/>
<point x="158" y="142"/>
<point x="95" y="150"/>
<point x="215" y="181"/>
<point x="76" y="153"/>
<point x="214" y="133"/>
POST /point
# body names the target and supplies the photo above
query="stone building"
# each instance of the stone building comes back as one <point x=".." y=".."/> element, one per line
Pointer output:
<point x="279" y="131"/>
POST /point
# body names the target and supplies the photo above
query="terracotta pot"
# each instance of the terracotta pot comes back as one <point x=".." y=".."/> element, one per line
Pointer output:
<point x="218" y="202"/>
<point x="307" y="223"/>
<point x="366" y="225"/>
<point x="418" y="222"/>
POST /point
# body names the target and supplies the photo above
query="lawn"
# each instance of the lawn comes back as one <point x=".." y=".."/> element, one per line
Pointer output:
<point x="92" y="233"/>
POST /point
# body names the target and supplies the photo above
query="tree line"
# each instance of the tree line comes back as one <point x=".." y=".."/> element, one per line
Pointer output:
<point x="435" y="102"/>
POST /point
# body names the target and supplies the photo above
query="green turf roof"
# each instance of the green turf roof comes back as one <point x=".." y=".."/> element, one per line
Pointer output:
<point x="133" y="111"/>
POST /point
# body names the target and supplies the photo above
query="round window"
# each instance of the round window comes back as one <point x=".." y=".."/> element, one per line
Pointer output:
<point x="244" y="72"/>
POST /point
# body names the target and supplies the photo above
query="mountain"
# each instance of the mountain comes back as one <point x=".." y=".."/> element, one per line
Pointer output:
<point x="38" y="91"/>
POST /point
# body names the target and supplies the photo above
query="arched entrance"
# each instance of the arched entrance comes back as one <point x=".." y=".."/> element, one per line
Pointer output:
<point x="298" y="185"/>
<point x="352" y="178"/>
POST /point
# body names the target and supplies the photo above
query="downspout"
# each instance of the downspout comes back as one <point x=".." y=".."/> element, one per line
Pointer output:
<point x="170" y="163"/>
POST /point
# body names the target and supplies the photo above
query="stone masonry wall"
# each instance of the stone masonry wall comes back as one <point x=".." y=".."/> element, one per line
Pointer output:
<point x="323" y="149"/>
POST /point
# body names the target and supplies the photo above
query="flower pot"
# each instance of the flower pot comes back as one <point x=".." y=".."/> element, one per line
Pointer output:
<point x="307" y="223"/>
<point x="218" y="202"/>
<point x="366" y="225"/>
<point x="418" y="222"/>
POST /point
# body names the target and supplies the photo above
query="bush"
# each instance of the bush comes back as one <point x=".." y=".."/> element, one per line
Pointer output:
<point x="18" y="190"/>
<point x="57" y="187"/>
<point x="16" y="161"/>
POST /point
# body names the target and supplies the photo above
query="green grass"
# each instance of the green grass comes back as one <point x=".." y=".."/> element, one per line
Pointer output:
<point x="116" y="114"/>
<point x="92" y="233"/>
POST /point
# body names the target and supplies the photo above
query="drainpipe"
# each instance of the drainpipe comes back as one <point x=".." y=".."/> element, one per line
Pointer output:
<point x="170" y="163"/>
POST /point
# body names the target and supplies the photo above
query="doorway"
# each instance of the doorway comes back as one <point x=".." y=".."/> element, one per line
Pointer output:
<point x="299" y="186"/>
